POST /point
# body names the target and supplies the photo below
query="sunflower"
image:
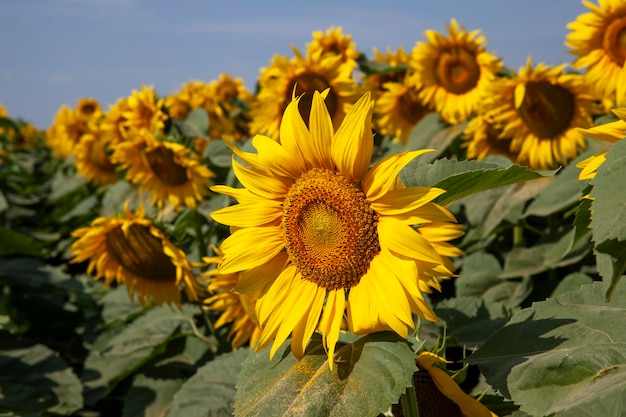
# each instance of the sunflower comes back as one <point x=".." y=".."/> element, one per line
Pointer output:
<point x="599" y="40"/>
<point x="540" y="109"/>
<point x="144" y="112"/>
<point x="397" y="110"/>
<point x="483" y="138"/>
<point x="610" y="132"/>
<point x="93" y="157"/>
<point x="167" y="170"/>
<point x="70" y="124"/>
<point x="114" y="126"/>
<point x="453" y="72"/>
<point x="439" y="395"/>
<point x="228" y="108"/>
<point x="399" y="64"/>
<point x="132" y="251"/>
<point x="333" y="42"/>
<point x="193" y="95"/>
<point x="325" y="232"/>
<point x="236" y="308"/>
<point x="300" y="75"/>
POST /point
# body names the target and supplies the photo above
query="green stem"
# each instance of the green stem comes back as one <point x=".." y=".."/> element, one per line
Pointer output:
<point x="409" y="403"/>
<point x="518" y="235"/>
<point x="202" y="246"/>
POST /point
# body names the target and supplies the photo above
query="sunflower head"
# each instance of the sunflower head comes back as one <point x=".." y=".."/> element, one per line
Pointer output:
<point x="453" y="71"/>
<point x="71" y="124"/>
<point x="143" y="113"/>
<point x="484" y="138"/>
<point x="93" y="156"/>
<point x="321" y="234"/>
<point x="228" y="108"/>
<point x="399" y="65"/>
<point x="333" y="42"/>
<point x="131" y="250"/>
<point x="193" y="95"/>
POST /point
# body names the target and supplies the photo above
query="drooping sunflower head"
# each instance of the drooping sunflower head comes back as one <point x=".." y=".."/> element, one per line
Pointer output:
<point x="235" y="308"/>
<point x="301" y="76"/>
<point x="168" y="171"/>
<point x="333" y="42"/>
<point x="598" y="38"/>
<point x="93" y="156"/>
<point x="609" y="132"/>
<point x="321" y="234"/>
<point x="131" y="250"/>
<point x="541" y="109"/>
<point x="143" y="113"/>
<point x="484" y="138"/>
<point x="454" y="71"/>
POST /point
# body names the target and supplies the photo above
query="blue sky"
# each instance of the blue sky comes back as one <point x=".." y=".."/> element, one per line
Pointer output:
<point x="55" y="51"/>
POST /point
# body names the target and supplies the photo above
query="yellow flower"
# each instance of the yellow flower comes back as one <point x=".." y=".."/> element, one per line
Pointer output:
<point x="323" y="230"/>
<point x="599" y="40"/>
<point x="143" y="113"/>
<point x="3" y="111"/>
<point x="397" y="110"/>
<point x="610" y="132"/>
<point x="333" y="42"/>
<point x="70" y="125"/>
<point x="193" y="95"/>
<point x="438" y="394"/>
<point x="236" y="308"/>
<point x="315" y="72"/>
<point x="400" y="61"/>
<point x="453" y="72"/>
<point x="540" y="109"/>
<point x="132" y="251"/>
<point x="93" y="157"/>
<point x="114" y="126"/>
<point x="483" y="138"/>
<point x="167" y="170"/>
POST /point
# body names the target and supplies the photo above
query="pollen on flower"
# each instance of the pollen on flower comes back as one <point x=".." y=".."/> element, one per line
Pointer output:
<point x="330" y="230"/>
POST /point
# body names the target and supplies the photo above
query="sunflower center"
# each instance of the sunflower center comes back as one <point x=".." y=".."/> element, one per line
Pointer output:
<point x="431" y="401"/>
<point x="614" y="42"/>
<point x="99" y="155"/>
<point x="498" y="145"/>
<point x="411" y="108"/>
<point x="141" y="253"/>
<point x="547" y="109"/>
<point x="457" y="70"/>
<point x="162" y="163"/>
<point x="307" y="84"/>
<point x="330" y="230"/>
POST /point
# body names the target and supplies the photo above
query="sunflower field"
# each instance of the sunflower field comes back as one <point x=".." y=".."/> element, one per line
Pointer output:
<point x="420" y="232"/>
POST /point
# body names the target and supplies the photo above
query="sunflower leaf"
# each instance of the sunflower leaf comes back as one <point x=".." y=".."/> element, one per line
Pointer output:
<point x="369" y="375"/>
<point x="608" y="218"/>
<point x="211" y="391"/>
<point x="562" y="356"/>
<point x="463" y="178"/>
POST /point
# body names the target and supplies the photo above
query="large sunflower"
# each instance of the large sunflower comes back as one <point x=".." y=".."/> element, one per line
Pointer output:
<point x="453" y="72"/>
<point x="541" y="109"/>
<point x="610" y="132"/>
<point x="300" y="75"/>
<point x="132" y="251"/>
<point x="166" y="170"/>
<point x="235" y="308"/>
<point x="325" y="232"/>
<point x="333" y="42"/>
<point x="599" y="40"/>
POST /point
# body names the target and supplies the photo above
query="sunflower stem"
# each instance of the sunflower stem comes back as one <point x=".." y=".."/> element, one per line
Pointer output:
<point x="518" y="235"/>
<point x="409" y="403"/>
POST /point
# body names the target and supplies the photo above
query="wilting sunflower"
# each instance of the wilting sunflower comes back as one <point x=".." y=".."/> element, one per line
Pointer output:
<point x="333" y="42"/>
<point x="599" y="40"/>
<point x="236" y="308"/>
<point x="93" y="158"/>
<point x="327" y="232"/>
<point x="483" y="138"/>
<point x="398" y="109"/>
<point x="541" y="109"/>
<point x="166" y="170"/>
<point x="144" y="112"/>
<point x="298" y="76"/>
<point x="132" y="251"/>
<point x="453" y="72"/>
<point x="610" y="132"/>
<point x="439" y="395"/>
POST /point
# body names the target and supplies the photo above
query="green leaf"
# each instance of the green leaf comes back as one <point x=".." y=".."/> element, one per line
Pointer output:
<point x="608" y="218"/>
<point x="199" y="119"/>
<point x="219" y="154"/>
<point x="562" y="355"/>
<point x="128" y="350"/>
<point x="118" y="307"/>
<point x="211" y="391"/>
<point x="36" y="379"/>
<point x="150" y="397"/>
<point x="571" y="282"/>
<point x="369" y="375"/>
<point x="33" y="272"/>
<point x="463" y="178"/>
<point x="14" y="243"/>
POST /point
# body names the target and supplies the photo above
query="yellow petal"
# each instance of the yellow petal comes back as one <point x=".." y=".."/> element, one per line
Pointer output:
<point x="259" y="183"/>
<point x="249" y="215"/>
<point x="292" y="132"/>
<point x="404" y="200"/>
<point x="330" y="322"/>
<point x="402" y="239"/>
<point x="469" y="406"/>
<point x="321" y="128"/>
<point x="256" y="279"/>
<point x="275" y="158"/>
<point x="275" y="294"/>
<point x="305" y="328"/>
<point x="250" y="247"/>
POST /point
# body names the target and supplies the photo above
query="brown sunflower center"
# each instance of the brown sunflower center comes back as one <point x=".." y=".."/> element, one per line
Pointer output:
<point x="99" y="155"/>
<point x="547" y="109"/>
<point x="457" y="70"/>
<point x="306" y="84"/>
<point x="330" y="230"/>
<point x="498" y="145"/>
<point x="411" y="108"/>
<point x="141" y="253"/>
<point x="88" y="109"/>
<point x="430" y="401"/>
<point x="614" y="42"/>
<point x="162" y="163"/>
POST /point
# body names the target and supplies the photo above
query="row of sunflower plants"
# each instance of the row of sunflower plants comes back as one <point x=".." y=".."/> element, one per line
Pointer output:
<point x="420" y="234"/>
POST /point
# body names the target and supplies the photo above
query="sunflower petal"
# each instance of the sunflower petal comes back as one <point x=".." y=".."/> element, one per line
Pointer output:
<point x="240" y="255"/>
<point x="402" y="239"/>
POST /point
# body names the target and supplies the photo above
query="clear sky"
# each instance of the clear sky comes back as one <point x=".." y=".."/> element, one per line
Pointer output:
<point x="53" y="52"/>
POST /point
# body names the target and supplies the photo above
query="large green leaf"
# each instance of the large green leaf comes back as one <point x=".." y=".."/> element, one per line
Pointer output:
<point x="15" y="243"/>
<point x="432" y="133"/>
<point x="114" y="358"/>
<point x="150" y="397"/>
<point x="563" y="356"/>
<point x="369" y="375"/>
<point x="462" y="178"/>
<point x="36" y="379"/>
<point x="211" y="391"/>
<point x="33" y="272"/>
<point x="608" y="219"/>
